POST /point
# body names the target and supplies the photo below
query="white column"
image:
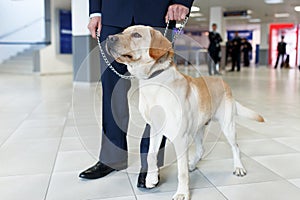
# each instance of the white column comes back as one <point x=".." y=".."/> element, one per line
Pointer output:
<point x="80" y="17"/>
<point x="264" y="34"/>
<point x="86" y="64"/>
<point x="51" y="61"/>
<point x="216" y="16"/>
<point x="264" y="44"/>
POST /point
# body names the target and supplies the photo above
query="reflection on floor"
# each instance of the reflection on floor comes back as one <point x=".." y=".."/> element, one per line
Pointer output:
<point x="49" y="132"/>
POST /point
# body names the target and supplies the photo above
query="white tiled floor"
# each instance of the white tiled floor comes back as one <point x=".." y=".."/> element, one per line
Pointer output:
<point x="49" y="132"/>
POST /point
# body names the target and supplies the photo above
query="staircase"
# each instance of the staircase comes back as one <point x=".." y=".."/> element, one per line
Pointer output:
<point x="22" y="63"/>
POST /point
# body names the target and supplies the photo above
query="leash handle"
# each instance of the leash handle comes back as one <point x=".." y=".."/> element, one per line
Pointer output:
<point x="182" y="25"/>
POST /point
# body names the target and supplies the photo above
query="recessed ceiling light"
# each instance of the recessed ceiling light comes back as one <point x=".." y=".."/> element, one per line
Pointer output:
<point x="238" y="17"/>
<point x="254" y="20"/>
<point x="195" y="9"/>
<point x="281" y="15"/>
<point x="273" y="1"/>
<point x="196" y="15"/>
<point x="297" y="8"/>
<point x="200" y="19"/>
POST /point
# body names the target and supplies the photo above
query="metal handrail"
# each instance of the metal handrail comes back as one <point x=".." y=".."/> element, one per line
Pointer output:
<point x="24" y="43"/>
<point x="21" y="28"/>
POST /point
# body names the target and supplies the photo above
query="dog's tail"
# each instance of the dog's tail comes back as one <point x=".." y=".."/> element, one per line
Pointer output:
<point x="246" y="112"/>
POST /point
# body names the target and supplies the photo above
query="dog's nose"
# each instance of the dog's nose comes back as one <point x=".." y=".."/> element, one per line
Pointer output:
<point x="113" y="38"/>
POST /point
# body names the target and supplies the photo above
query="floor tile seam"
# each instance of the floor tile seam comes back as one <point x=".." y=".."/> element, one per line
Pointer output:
<point x="261" y="165"/>
<point x="274" y="155"/>
<point x="265" y="167"/>
<point x="19" y="124"/>
<point x="101" y="198"/>
<point x="275" y="181"/>
<point x="287" y="145"/>
<point x="173" y="191"/>
<point x="213" y="185"/>
<point x="82" y="143"/>
<point x="75" y="151"/>
<point x="110" y="176"/>
<point x="68" y="151"/>
<point x="131" y="185"/>
<point x="24" y="175"/>
<point x="55" y="160"/>
<point x="33" y="139"/>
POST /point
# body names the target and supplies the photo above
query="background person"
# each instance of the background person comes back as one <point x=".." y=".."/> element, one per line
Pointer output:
<point x="236" y="52"/>
<point x="281" y="50"/>
<point x="247" y="49"/>
<point x="111" y="17"/>
<point x="228" y="51"/>
<point x="214" y="50"/>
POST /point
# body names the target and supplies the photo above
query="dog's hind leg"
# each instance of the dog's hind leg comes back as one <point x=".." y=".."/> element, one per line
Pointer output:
<point x="181" y="145"/>
<point x="228" y="128"/>
<point x="195" y="156"/>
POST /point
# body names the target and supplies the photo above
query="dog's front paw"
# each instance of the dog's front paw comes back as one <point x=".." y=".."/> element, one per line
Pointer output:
<point x="192" y="166"/>
<point x="178" y="196"/>
<point x="240" y="172"/>
<point x="152" y="180"/>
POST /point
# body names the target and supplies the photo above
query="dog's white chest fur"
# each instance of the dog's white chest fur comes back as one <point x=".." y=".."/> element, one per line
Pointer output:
<point x="168" y="105"/>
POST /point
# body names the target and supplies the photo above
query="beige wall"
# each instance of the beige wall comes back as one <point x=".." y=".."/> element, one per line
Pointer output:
<point x="51" y="62"/>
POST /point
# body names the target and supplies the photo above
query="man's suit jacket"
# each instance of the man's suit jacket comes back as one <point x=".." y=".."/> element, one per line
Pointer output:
<point x="281" y="47"/>
<point x="214" y="41"/>
<point x="121" y="13"/>
<point x="236" y="46"/>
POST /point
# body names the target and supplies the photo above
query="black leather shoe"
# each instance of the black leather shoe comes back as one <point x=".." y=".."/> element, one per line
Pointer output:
<point x="142" y="180"/>
<point x="99" y="170"/>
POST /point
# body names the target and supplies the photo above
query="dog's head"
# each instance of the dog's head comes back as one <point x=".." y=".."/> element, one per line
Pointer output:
<point x="143" y="49"/>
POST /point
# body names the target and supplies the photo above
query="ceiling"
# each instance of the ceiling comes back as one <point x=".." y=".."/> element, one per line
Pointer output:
<point x="261" y="10"/>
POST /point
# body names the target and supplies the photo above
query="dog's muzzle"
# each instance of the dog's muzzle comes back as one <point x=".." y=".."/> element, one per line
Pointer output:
<point x="111" y="41"/>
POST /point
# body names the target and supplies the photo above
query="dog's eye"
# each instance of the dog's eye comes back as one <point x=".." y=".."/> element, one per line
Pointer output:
<point x="136" y="35"/>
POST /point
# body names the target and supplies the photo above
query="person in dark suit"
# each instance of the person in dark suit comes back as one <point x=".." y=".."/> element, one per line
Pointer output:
<point x="281" y="49"/>
<point x="246" y="48"/>
<point x="236" y="52"/>
<point x="228" y="51"/>
<point x="110" y="17"/>
<point x="214" y="50"/>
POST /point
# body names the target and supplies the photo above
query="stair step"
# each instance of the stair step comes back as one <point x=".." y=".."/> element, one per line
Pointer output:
<point x="22" y="63"/>
<point x="16" y="68"/>
<point x="24" y="54"/>
<point x="18" y="61"/>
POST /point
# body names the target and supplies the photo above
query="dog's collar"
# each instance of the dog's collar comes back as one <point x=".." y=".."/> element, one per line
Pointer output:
<point x="156" y="73"/>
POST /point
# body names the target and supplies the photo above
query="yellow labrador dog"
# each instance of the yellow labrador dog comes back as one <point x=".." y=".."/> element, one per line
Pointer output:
<point x="174" y="104"/>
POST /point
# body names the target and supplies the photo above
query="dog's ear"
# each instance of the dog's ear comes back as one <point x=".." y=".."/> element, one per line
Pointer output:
<point x="159" y="45"/>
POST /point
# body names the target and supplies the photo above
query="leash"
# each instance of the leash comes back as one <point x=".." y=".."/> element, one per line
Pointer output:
<point x="130" y="77"/>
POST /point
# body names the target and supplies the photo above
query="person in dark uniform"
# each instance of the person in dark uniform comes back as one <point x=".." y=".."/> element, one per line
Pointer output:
<point x="246" y="48"/>
<point x="110" y="17"/>
<point x="228" y="51"/>
<point x="281" y="50"/>
<point x="214" y="50"/>
<point x="236" y="52"/>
